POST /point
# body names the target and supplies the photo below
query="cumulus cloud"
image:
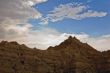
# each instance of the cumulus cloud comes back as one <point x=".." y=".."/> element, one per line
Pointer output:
<point x="45" y="37"/>
<point x="19" y="9"/>
<point x="13" y="29"/>
<point x="14" y="15"/>
<point x="72" y="11"/>
<point x="41" y="38"/>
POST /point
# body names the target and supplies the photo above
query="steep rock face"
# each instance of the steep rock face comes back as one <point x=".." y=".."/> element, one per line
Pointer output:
<point x="105" y="68"/>
<point x="71" y="56"/>
<point x="82" y="55"/>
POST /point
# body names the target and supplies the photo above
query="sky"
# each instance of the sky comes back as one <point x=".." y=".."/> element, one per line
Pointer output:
<point x="44" y="23"/>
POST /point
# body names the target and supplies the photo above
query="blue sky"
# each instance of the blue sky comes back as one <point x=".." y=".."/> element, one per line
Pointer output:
<point x="94" y="26"/>
<point x="44" y="23"/>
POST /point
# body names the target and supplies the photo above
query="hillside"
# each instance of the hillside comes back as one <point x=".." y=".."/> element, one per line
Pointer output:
<point x="71" y="56"/>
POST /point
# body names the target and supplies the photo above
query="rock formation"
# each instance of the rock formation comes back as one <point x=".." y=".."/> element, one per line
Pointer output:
<point x="71" y="56"/>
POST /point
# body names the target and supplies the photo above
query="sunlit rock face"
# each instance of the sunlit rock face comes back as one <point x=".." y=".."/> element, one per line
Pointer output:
<point x="71" y="56"/>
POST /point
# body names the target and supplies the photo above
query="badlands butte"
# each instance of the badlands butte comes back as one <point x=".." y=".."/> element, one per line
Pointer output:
<point x="71" y="56"/>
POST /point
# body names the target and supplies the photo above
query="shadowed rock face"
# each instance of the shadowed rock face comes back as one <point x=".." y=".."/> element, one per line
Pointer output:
<point x="71" y="56"/>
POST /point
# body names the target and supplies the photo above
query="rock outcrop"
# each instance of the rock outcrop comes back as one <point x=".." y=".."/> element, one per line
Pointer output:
<point x="71" y="56"/>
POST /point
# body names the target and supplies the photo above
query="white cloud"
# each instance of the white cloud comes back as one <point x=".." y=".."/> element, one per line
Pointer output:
<point x="72" y="11"/>
<point x="91" y="13"/>
<point x="45" y="37"/>
<point x="10" y="28"/>
<point x="20" y="10"/>
<point x="39" y="1"/>
<point x="14" y="15"/>
<point x="17" y="9"/>
<point x="33" y="2"/>
<point x="100" y="43"/>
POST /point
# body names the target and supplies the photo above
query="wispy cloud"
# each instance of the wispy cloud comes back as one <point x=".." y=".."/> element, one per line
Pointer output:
<point x="33" y="2"/>
<point x="71" y="11"/>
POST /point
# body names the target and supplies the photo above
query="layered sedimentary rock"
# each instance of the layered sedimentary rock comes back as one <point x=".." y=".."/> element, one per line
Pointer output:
<point x="71" y="56"/>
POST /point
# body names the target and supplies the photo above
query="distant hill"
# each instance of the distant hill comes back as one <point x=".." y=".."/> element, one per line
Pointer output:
<point x="71" y="56"/>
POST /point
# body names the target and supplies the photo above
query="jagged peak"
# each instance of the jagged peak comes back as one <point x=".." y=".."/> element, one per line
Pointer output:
<point x="71" y="40"/>
<point x="14" y="43"/>
<point x="3" y="42"/>
<point x="70" y="37"/>
<point x="11" y="43"/>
